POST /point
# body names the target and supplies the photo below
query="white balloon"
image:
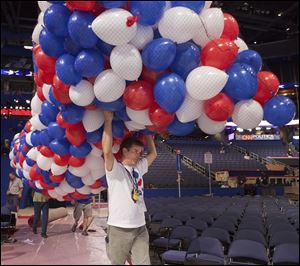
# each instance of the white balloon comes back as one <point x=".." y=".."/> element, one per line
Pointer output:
<point x="28" y="138"/>
<point x="140" y="117"/>
<point x="94" y="162"/>
<point x="82" y="94"/>
<point x="98" y="190"/>
<point x="43" y="5"/>
<point x="53" y="194"/>
<point x="92" y="120"/>
<point x="38" y="184"/>
<point x="36" y="33"/>
<point x="11" y="154"/>
<point x="207" y="4"/>
<point x="211" y="26"/>
<point x="79" y="171"/>
<point x="41" y="18"/>
<point x="60" y="191"/>
<point x="109" y="86"/>
<point x="115" y="148"/>
<point x="84" y="190"/>
<point x="190" y="109"/>
<point x="36" y="123"/>
<point x="16" y="136"/>
<point x="88" y="180"/>
<point x="45" y="89"/>
<point x="12" y="164"/>
<point x="44" y="162"/>
<point x="33" y="154"/>
<point x="133" y="126"/>
<point x="205" y="82"/>
<point x="144" y="35"/>
<point x="209" y="126"/>
<point x="241" y="44"/>
<point x="36" y="105"/>
<point x="126" y="61"/>
<point x="180" y="24"/>
<point x="26" y="174"/>
<point x="57" y="169"/>
<point x="66" y="187"/>
<point x="95" y="151"/>
<point x="26" y="167"/>
<point x="110" y="26"/>
<point x="247" y="114"/>
<point x="97" y="173"/>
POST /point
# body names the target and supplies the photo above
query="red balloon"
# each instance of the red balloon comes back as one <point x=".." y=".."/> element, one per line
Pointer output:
<point x="56" y="178"/>
<point x="107" y="63"/>
<point x="39" y="92"/>
<point x="219" y="108"/>
<point x="268" y="86"/>
<point x="159" y="117"/>
<point x="45" y="186"/>
<point x="117" y="141"/>
<point x="76" y="162"/>
<point x="61" y="160"/>
<point x="90" y="107"/>
<point x="61" y="96"/>
<point x="37" y="80"/>
<point x="138" y="95"/>
<point x="98" y="9"/>
<point x="33" y="174"/>
<point x="151" y="75"/>
<point x="78" y="195"/>
<point x="43" y="61"/>
<point x="231" y="27"/>
<point x="157" y="129"/>
<point x="67" y="198"/>
<point x="46" y="77"/>
<point x="46" y="151"/>
<point x="98" y="145"/>
<point x="60" y="121"/>
<point x="21" y="158"/>
<point x="97" y="184"/>
<point x="92" y="79"/>
<point x="76" y="134"/>
<point x="28" y="126"/>
<point x="59" y="85"/>
<point x="219" y="53"/>
<point x="25" y="147"/>
<point x="81" y="5"/>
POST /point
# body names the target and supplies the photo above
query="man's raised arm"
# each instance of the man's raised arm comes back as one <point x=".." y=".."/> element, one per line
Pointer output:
<point x="107" y="140"/>
<point x="152" y="154"/>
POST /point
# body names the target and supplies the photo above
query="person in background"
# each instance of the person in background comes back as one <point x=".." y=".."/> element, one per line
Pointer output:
<point x="85" y="206"/>
<point x="14" y="192"/>
<point x="127" y="238"/>
<point x="41" y="205"/>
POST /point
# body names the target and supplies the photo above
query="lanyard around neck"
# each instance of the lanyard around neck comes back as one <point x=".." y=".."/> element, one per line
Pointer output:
<point x="132" y="178"/>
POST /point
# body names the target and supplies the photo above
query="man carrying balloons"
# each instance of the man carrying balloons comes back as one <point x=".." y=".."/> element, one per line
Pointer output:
<point x="128" y="238"/>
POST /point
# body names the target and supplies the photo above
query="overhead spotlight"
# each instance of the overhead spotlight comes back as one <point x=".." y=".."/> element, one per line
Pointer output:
<point x="255" y="42"/>
<point x="287" y="29"/>
<point x="28" y="47"/>
<point x="17" y="107"/>
<point x="27" y="101"/>
<point x="279" y="14"/>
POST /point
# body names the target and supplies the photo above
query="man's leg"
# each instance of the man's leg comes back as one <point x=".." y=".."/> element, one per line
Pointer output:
<point x="37" y="216"/>
<point x="119" y="244"/>
<point x="45" y="213"/>
<point x="140" y="248"/>
<point x="76" y="214"/>
<point x="88" y="218"/>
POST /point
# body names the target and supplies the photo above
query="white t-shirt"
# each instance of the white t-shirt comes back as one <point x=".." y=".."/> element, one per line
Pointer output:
<point x="15" y="186"/>
<point x="122" y="210"/>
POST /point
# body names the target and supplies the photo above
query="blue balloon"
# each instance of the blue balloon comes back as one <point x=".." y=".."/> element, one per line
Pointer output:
<point x="111" y="106"/>
<point x="49" y="110"/>
<point x="30" y="162"/>
<point x="80" y="29"/>
<point x="95" y="136"/>
<point x="53" y="99"/>
<point x="56" y="19"/>
<point x="112" y="4"/>
<point x="85" y="201"/>
<point x="45" y="119"/>
<point x="242" y="82"/>
<point x="60" y="146"/>
<point x="45" y="138"/>
<point x="80" y="151"/>
<point x="51" y="44"/>
<point x="72" y="113"/>
<point x="65" y="70"/>
<point x="35" y="139"/>
<point x="36" y="189"/>
<point x="103" y="181"/>
<point x="148" y="132"/>
<point x="279" y="110"/>
<point x="149" y="12"/>
<point x="71" y="47"/>
<point x="118" y="129"/>
<point x="251" y="58"/>
<point x="57" y="2"/>
<point x="73" y="180"/>
<point x="55" y="131"/>
<point x="181" y="129"/>
<point x="187" y="58"/>
<point x="104" y="47"/>
<point x="159" y="54"/>
<point x="169" y="92"/>
<point x="89" y="63"/>
<point x="196" y="6"/>
<point x="122" y="114"/>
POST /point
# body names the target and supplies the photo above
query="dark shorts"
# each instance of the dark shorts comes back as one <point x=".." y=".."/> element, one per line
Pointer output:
<point x="13" y="202"/>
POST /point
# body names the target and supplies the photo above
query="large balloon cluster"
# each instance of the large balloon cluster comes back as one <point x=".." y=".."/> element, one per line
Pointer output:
<point x="160" y="66"/>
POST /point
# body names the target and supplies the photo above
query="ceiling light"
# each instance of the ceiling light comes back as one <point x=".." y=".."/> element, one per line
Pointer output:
<point x="287" y="29"/>
<point x="254" y="42"/>
<point x="279" y="14"/>
<point x="28" y="47"/>
<point x="27" y="101"/>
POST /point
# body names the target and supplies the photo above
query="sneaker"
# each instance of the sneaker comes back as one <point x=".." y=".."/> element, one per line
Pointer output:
<point x="44" y="235"/>
<point x="81" y="227"/>
<point x="74" y="227"/>
<point x="84" y="233"/>
<point x="34" y="231"/>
